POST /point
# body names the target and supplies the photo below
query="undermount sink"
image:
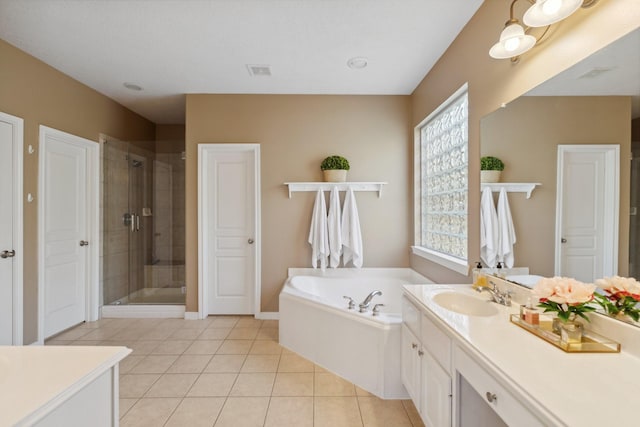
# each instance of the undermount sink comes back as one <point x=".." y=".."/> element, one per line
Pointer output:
<point x="465" y="304"/>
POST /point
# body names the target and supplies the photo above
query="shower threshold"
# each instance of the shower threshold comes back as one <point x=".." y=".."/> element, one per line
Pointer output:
<point x="147" y="296"/>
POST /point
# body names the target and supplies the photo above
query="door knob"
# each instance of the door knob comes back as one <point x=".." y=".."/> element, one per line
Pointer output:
<point x="7" y="254"/>
<point x="250" y="241"/>
<point x="84" y="243"/>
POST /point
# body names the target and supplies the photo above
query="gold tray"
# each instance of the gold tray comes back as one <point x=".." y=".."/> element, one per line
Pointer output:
<point x="591" y="342"/>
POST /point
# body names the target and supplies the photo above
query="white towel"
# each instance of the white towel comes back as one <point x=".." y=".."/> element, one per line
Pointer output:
<point x="506" y="232"/>
<point x="488" y="229"/>
<point x="335" y="228"/>
<point x="318" y="233"/>
<point x="351" y="236"/>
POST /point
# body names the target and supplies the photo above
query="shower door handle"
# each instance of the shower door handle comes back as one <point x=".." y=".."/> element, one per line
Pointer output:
<point x="137" y="222"/>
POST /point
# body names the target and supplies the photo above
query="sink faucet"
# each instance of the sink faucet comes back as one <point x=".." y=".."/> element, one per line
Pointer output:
<point x="503" y="298"/>
<point x="364" y="305"/>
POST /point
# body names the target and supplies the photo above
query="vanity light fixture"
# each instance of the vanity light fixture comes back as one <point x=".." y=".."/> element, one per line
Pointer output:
<point x="514" y="40"/>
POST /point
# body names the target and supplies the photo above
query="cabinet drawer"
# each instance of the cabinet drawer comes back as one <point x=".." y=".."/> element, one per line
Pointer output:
<point x="510" y="409"/>
<point x="411" y="316"/>
<point x="436" y="342"/>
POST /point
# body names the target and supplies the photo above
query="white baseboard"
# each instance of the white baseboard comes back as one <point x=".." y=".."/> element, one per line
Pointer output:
<point x="268" y="315"/>
<point x="191" y="315"/>
<point x="143" y="311"/>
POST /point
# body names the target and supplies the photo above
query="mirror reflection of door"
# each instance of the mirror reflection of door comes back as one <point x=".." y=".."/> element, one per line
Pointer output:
<point x="587" y="211"/>
<point x="634" y="225"/>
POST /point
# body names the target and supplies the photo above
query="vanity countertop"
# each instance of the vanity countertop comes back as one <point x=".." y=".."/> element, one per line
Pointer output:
<point x="576" y="389"/>
<point x="35" y="379"/>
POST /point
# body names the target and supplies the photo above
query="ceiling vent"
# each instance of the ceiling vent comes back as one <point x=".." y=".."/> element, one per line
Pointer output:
<point x="596" y="72"/>
<point x="259" y="70"/>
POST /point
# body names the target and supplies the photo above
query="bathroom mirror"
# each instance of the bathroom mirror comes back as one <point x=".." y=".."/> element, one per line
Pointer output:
<point x="596" y="102"/>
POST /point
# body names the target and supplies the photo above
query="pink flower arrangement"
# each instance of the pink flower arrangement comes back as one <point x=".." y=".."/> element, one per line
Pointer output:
<point x="622" y="295"/>
<point x="564" y="295"/>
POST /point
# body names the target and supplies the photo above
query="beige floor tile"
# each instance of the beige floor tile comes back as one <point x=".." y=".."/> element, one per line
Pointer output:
<point x="98" y="334"/>
<point x="85" y="342"/>
<point x="130" y="334"/>
<point x="212" y="385"/>
<point x="142" y="346"/>
<point x="243" y="333"/>
<point x="319" y="369"/>
<point x="336" y="412"/>
<point x="125" y="404"/>
<point x="196" y="324"/>
<point x="261" y="363"/>
<point x="172" y="347"/>
<point x="189" y="364"/>
<point x="270" y="324"/>
<point x="149" y="412"/>
<point x="186" y="334"/>
<point x="376" y="412"/>
<point x="70" y="335"/>
<point x="129" y="363"/>
<point x="362" y="392"/>
<point x="293" y="384"/>
<point x="134" y="386"/>
<point x="290" y="412"/>
<point x="256" y="384"/>
<point x="224" y="322"/>
<point x="413" y="413"/>
<point x="196" y="412"/>
<point x="230" y="363"/>
<point x="328" y="384"/>
<point x="204" y="347"/>
<point x="58" y="342"/>
<point x="265" y="347"/>
<point x="243" y="412"/>
<point x="172" y="385"/>
<point x="291" y="362"/>
<point x="235" y="347"/>
<point x="267" y="334"/>
<point x="214" y="334"/>
<point x="154" y="364"/>
<point x="249" y="322"/>
<point x="159" y="334"/>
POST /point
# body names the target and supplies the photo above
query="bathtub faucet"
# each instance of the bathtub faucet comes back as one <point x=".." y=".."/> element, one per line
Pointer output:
<point x="364" y="305"/>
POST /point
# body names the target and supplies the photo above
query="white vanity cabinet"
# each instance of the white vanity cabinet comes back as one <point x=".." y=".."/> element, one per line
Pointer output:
<point x="426" y="363"/>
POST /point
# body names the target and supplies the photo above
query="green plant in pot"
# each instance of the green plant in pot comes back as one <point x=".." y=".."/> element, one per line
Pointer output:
<point x="490" y="168"/>
<point x="335" y="168"/>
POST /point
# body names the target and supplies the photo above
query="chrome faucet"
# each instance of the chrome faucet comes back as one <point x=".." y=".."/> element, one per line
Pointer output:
<point x="364" y="305"/>
<point x="503" y="298"/>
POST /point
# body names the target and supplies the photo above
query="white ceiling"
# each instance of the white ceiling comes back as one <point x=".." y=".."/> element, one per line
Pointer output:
<point x="173" y="47"/>
<point x="613" y="70"/>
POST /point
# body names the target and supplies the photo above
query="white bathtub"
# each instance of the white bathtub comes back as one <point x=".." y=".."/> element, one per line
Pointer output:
<point x="315" y="323"/>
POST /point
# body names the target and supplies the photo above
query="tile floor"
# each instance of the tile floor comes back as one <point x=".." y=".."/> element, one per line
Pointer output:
<point x="228" y="371"/>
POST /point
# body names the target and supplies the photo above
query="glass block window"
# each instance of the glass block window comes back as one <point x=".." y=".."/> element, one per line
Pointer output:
<point x="443" y="150"/>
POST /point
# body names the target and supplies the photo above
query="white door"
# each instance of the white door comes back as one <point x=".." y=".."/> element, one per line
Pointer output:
<point x="587" y="211"/>
<point x="11" y="135"/>
<point x="67" y="235"/>
<point x="228" y="217"/>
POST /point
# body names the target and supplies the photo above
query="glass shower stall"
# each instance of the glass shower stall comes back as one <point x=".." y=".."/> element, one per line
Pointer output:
<point x="143" y="224"/>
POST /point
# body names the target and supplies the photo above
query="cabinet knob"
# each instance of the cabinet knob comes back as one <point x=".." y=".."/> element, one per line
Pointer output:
<point x="420" y="352"/>
<point x="414" y="345"/>
<point x="491" y="397"/>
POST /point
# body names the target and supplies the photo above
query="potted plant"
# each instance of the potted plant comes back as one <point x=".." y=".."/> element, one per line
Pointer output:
<point x="335" y="168"/>
<point x="490" y="168"/>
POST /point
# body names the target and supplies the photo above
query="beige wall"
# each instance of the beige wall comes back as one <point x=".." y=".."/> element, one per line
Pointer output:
<point x="525" y="135"/>
<point x="41" y="95"/>
<point x="295" y="133"/>
<point x="493" y="82"/>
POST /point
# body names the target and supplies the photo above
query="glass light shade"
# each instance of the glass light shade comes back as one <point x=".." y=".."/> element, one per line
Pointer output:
<point x="547" y="12"/>
<point x="513" y="42"/>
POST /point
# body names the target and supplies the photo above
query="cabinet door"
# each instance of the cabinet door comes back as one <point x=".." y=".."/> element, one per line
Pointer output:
<point x="435" y="393"/>
<point x="410" y="365"/>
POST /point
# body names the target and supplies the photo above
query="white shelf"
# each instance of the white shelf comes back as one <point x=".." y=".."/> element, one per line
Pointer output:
<point x="511" y="187"/>
<point x="328" y="186"/>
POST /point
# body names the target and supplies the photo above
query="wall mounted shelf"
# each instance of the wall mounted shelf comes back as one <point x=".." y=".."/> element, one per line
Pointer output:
<point x="511" y="187"/>
<point x="342" y="186"/>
